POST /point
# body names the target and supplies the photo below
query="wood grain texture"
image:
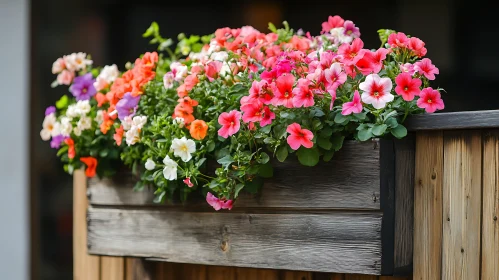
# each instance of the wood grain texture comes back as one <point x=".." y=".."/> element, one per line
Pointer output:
<point x="356" y="184"/>
<point x="139" y="269"/>
<point x="404" y="204"/>
<point x="490" y="212"/>
<point x="296" y="275"/>
<point x="428" y="206"/>
<point x="387" y="200"/>
<point x="220" y="273"/>
<point x="461" y="205"/>
<point x="344" y="242"/>
<point x="112" y="268"/>
<point x="454" y="120"/>
<point x="360" y="277"/>
<point x="328" y="276"/>
<point x="85" y="267"/>
<point x="254" y="273"/>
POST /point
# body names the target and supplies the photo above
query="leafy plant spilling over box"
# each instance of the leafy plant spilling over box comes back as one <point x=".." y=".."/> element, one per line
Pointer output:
<point x="238" y="97"/>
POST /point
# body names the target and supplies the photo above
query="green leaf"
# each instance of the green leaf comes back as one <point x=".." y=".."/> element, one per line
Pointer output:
<point x="210" y="146"/>
<point x="384" y="34"/>
<point x="272" y="27"/>
<point x="282" y="153"/>
<point x="54" y="84"/>
<point x="326" y="132"/>
<point x="254" y="185"/>
<point x="62" y="103"/>
<point x="266" y="170"/>
<point x="280" y="131"/>
<point x="365" y="134"/>
<point x="391" y="122"/>
<point x="200" y="162"/>
<point x="324" y="143"/>
<point x="264" y="158"/>
<point x="266" y="129"/>
<point x="379" y="129"/>
<point x="62" y="150"/>
<point x="339" y="118"/>
<point x="286" y="115"/>
<point x="139" y="186"/>
<point x="160" y="197"/>
<point x="71" y="168"/>
<point x="399" y="131"/>
<point x="316" y="112"/>
<point x="237" y="189"/>
<point x="104" y="153"/>
<point x="328" y="155"/>
<point x="308" y="157"/>
<point x="226" y="161"/>
<point x="337" y="141"/>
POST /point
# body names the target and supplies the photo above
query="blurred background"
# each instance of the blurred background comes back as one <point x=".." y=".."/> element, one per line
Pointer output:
<point x="36" y="200"/>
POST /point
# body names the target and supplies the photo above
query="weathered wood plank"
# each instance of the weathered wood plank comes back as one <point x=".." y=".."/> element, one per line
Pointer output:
<point x="139" y="269"/>
<point x="340" y="183"/>
<point x="344" y="242"/>
<point x="404" y="204"/>
<point x="253" y="273"/>
<point x="328" y="276"/>
<point x="85" y="267"/>
<point x="461" y="205"/>
<point x="220" y="273"/>
<point x="360" y="277"/>
<point x="428" y="206"/>
<point x="112" y="268"/>
<point x="387" y="200"/>
<point x="490" y="212"/>
<point x="296" y="275"/>
<point x="454" y="120"/>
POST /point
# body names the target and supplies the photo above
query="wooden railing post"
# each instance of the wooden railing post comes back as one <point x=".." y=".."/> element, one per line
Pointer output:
<point x="85" y="267"/>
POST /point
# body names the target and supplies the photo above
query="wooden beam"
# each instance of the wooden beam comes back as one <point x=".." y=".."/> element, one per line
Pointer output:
<point x="112" y="268"/>
<point x="428" y="206"/>
<point x="462" y="193"/>
<point x="490" y="224"/>
<point x="454" y="120"/>
<point x="344" y="242"/>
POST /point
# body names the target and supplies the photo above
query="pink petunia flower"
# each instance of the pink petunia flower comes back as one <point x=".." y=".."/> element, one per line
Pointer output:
<point x="252" y="112"/>
<point x="188" y="182"/>
<point x="302" y="95"/>
<point x="407" y="68"/>
<point x="334" y="75"/>
<point x="267" y="116"/>
<point x="354" y="106"/>
<point x="407" y="87"/>
<point x="284" y="90"/>
<point x="430" y="100"/>
<point x="332" y="22"/>
<point x="377" y="57"/>
<point x="350" y="52"/>
<point x="212" y="69"/>
<point x="299" y="137"/>
<point x="426" y="68"/>
<point x="65" y="77"/>
<point x="416" y="45"/>
<point x="262" y="90"/>
<point x="217" y="203"/>
<point x="351" y="29"/>
<point x="230" y="123"/>
<point x="398" y="40"/>
<point x="376" y="91"/>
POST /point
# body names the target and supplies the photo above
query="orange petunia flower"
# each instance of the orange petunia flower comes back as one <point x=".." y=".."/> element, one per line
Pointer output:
<point x="71" y="147"/>
<point x="101" y="99"/>
<point x="198" y="129"/>
<point x="188" y="117"/>
<point x="91" y="163"/>
<point x="118" y="136"/>
<point x="107" y="122"/>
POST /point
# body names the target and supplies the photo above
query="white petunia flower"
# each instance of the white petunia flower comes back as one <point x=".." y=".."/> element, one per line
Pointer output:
<point x="132" y="136"/>
<point x="77" y="131"/>
<point x="139" y="121"/>
<point x="183" y="148"/>
<point x="77" y="61"/>
<point x="107" y="75"/>
<point x="170" y="170"/>
<point x="84" y="123"/>
<point x="168" y="80"/>
<point x="220" y="56"/>
<point x="339" y="34"/>
<point x="99" y="118"/>
<point x="72" y="112"/>
<point x="376" y="91"/>
<point x="127" y="123"/>
<point x="179" y="70"/>
<point x="50" y="127"/>
<point x="150" y="164"/>
<point x="179" y="121"/>
<point x="83" y="107"/>
<point x="58" y="66"/>
<point x="225" y="70"/>
<point x="66" y="126"/>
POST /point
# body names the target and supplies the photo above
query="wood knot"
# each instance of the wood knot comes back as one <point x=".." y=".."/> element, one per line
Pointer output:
<point x="433" y="175"/>
<point x="448" y="219"/>
<point x="495" y="218"/>
<point x="224" y="246"/>
<point x="462" y="250"/>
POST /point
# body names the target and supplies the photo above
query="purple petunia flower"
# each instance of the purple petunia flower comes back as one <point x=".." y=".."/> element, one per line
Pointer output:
<point x="83" y="87"/>
<point x="127" y="105"/>
<point x="57" y="141"/>
<point x="49" y="110"/>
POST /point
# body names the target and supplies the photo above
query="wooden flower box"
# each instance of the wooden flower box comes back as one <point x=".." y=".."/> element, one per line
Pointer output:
<point x="353" y="214"/>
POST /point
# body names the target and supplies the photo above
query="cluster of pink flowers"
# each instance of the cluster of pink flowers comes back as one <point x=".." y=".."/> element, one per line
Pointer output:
<point x="66" y="67"/>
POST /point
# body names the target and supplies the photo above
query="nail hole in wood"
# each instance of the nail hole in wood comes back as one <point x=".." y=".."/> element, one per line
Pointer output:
<point x="462" y="250"/>
<point x="224" y="246"/>
<point x="433" y="176"/>
<point x="495" y="218"/>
